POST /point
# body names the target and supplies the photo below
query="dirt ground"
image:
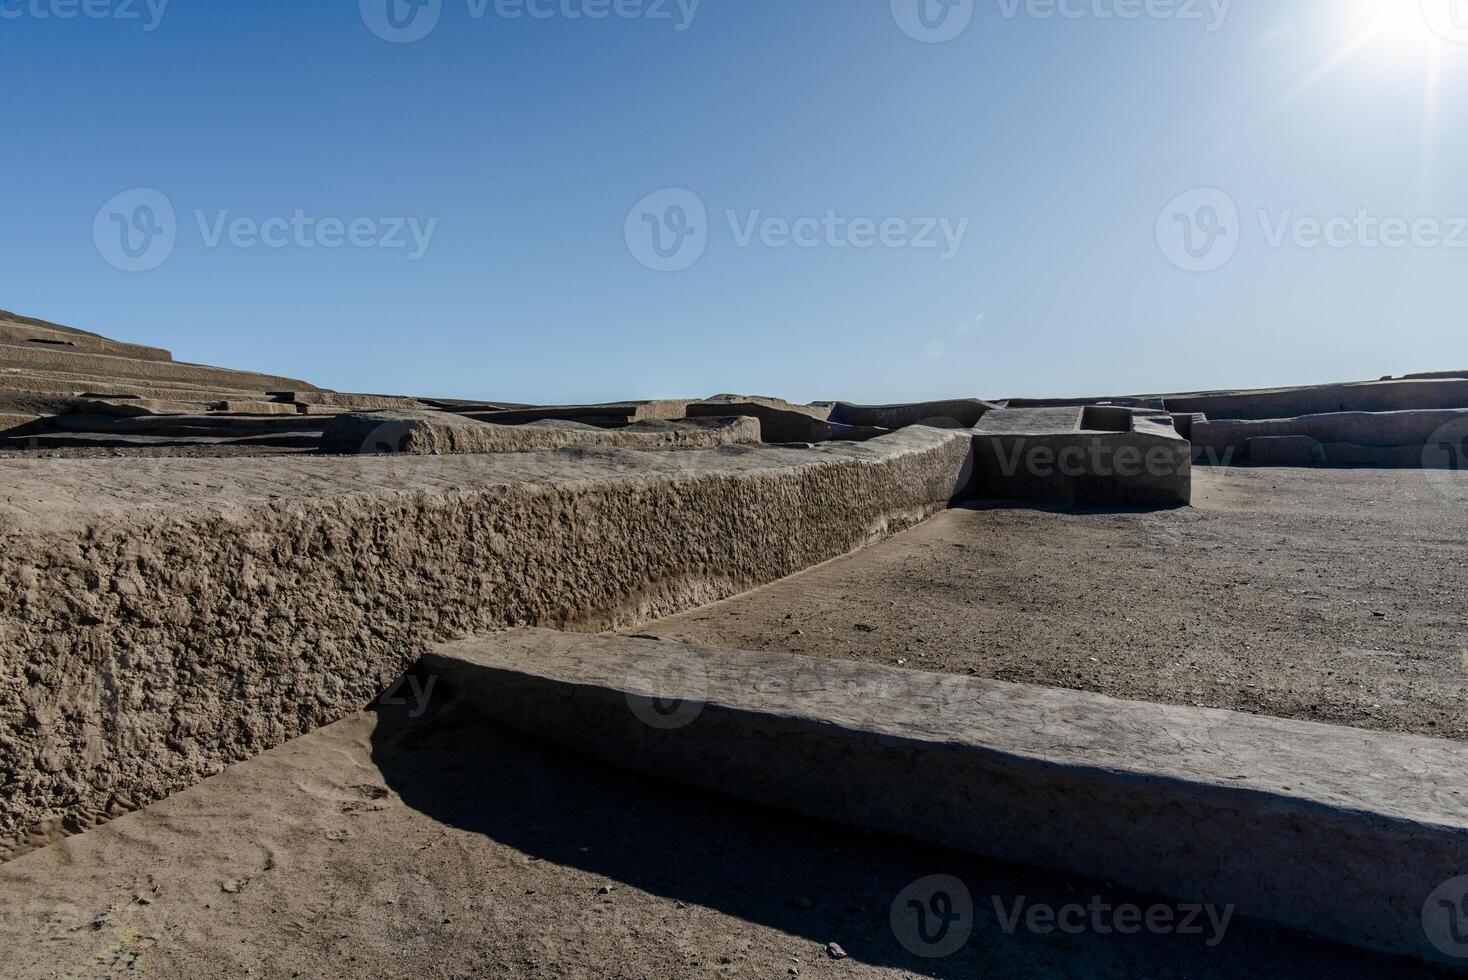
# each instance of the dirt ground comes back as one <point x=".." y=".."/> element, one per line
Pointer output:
<point x="1328" y="595"/>
<point x="385" y="846"/>
<point x="445" y="847"/>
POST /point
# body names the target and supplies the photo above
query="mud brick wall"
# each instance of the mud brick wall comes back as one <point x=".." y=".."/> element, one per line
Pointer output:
<point x="163" y="618"/>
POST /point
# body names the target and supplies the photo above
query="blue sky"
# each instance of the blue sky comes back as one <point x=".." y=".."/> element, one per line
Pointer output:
<point x="1001" y="213"/>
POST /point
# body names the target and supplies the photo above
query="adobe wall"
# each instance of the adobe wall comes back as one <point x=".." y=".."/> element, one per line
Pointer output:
<point x="1149" y="466"/>
<point x="1225" y="441"/>
<point x="1284" y="403"/>
<point x="162" y="618"/>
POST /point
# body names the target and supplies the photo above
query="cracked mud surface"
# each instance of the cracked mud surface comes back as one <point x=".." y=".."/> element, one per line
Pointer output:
<point x="1324" y="595"/>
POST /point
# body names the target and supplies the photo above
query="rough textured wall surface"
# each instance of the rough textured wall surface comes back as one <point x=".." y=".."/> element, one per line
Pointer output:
<point x="108" y="365"/>
<point x="1414" y="428"/>
<point x="950" y="414"/>
<point x="794" y="424"/>
<point x="162" y="618"/>
<point x="16" y="329"/>
<point x="425" y="433"/>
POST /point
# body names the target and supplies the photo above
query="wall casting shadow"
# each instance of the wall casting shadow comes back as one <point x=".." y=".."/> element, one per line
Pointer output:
<point x="761" y="865"/>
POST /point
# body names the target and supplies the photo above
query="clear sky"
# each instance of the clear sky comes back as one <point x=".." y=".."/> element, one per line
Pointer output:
<point x="845" y="203"/>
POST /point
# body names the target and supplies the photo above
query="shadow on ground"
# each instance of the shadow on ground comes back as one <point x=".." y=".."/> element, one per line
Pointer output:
<point x="809" y="879"/>
<point x="1064" y="508"/>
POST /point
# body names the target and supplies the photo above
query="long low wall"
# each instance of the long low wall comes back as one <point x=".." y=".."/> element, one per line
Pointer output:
<point x="16" y="329"/>
<point x="1226" y="441"/>
<point x="161" y="618"/>
<point x="953" y="413"/>
<point x="1284" y="403"/>
<point x="1356" y="836"/>
<point x="784" y="425"/>
<point x="65" y="359"/>
<point x="424" y="433"/>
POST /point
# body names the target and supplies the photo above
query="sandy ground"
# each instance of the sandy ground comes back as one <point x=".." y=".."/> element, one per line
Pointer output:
<point x="385" y="847"/>
<point x="1327" y="595"/>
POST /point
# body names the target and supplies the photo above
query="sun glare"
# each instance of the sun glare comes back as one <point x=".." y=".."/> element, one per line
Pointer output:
<point x="1393" y="29"/>
<point x="1387" y="38"/>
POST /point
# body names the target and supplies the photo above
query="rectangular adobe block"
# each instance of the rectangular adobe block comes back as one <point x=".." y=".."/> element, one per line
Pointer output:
<point x="1355" y="836"/>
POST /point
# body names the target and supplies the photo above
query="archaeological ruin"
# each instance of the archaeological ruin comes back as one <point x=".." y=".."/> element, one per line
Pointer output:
<point x="205" y="567"/>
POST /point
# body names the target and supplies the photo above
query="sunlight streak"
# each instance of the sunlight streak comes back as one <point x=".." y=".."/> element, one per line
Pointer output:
<point x="1322" y="71"/>
<point x="1431" y="99"/>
